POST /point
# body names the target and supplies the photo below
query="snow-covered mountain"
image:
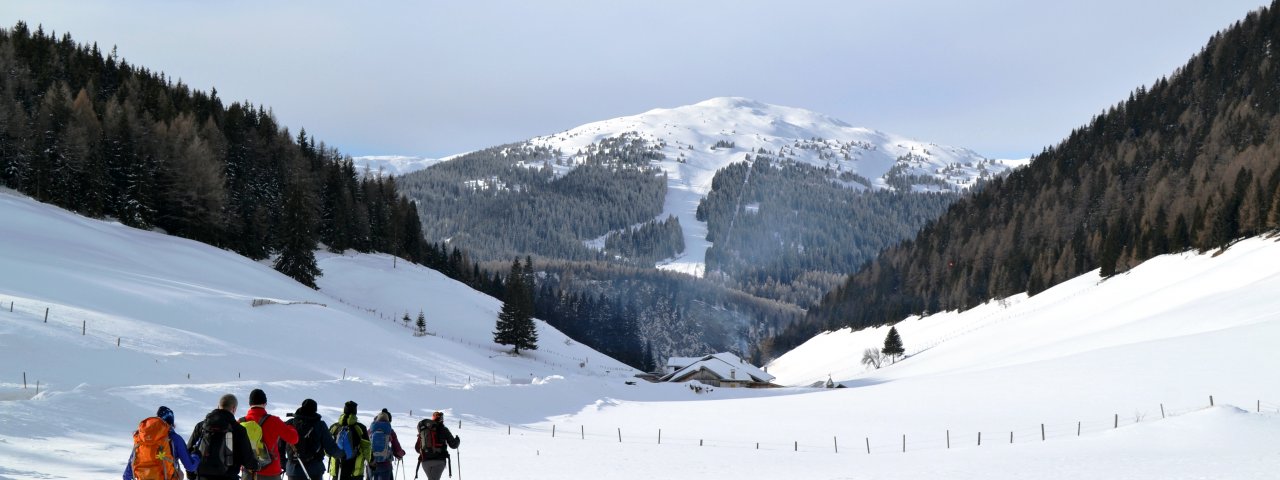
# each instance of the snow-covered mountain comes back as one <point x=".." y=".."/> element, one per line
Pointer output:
<point x="393" y="165"/>
<point x="1093" y="366"/>
<point x="698" y="140"/>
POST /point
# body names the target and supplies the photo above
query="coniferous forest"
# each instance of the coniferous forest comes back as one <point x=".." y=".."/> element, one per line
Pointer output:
<point x="1191" y="162"/>
<point x="89" y="132"/>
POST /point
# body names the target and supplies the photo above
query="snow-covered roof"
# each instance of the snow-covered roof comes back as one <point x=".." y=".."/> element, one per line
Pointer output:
<point x="681" y="362"/>
<point x="724" y="365"/>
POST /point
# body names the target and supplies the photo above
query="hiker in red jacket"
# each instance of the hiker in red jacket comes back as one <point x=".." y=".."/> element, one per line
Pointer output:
<point x="274" y="430"/>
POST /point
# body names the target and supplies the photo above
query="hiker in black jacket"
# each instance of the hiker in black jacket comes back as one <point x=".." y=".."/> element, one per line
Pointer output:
<point x="217" y="460"/>
<point x="433" y="437"/>
<point x="314" y="442"/>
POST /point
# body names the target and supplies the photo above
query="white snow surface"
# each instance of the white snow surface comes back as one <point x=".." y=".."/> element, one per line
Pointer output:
<point x="393" y="165"/>
<point x="1170" y="332"/>
<point x="689" y="135"/>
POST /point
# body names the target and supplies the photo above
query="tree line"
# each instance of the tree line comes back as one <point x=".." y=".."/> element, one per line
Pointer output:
<point x="94" y="134"/>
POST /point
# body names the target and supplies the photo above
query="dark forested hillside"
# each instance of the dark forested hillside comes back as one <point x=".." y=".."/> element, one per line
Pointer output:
<point x="508" y="200"/>
<point x="1193" y="161"/>
<point x="92" y="133"/>
<point x="788" y="231"/>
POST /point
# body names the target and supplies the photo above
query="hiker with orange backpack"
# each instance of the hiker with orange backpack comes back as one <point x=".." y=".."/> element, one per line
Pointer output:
<point x="157" y="450"/>
<point x="271" y="431"/>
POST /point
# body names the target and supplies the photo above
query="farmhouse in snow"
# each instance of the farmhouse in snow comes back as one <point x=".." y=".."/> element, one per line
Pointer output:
<point x="718" y="370"/>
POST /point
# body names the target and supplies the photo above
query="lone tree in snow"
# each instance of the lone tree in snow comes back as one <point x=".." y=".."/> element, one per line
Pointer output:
<point x="422" y="324"/>
<point x="515" y="325"/>
<point x="872" y="358"/>
<point x="406" y="320"/>
<point x="893" y="344"/>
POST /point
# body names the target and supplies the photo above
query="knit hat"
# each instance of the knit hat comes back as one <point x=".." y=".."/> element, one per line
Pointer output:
<point x="383" y="416"/>
<point x="257" y="397"/>
<point x="166" y="414"/>
<point x="349" y="408"/>
<point x="308" y="408"/>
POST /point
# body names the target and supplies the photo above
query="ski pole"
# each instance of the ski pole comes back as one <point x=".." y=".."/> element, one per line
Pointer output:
<point x="417" y="468"/>
<point x="459" y="464"/>
<point x="448" y="461"/>
<point x="303" y="466"/>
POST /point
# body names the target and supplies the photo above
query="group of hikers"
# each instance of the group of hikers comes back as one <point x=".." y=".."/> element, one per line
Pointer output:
<point x="265" y="447"/>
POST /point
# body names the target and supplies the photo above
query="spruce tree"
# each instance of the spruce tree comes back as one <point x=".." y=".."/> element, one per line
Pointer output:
<point x="893" y="344"/>
<point x="422" y="324"/>
<point x="297" y="254"/>
<point x="515" y="325"/>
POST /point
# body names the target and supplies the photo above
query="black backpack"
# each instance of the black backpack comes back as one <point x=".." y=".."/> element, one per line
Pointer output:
<point x="216" y="444"/>
<point x="308" y="448"/>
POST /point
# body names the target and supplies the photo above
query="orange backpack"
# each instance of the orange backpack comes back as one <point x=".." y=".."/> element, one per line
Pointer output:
<point x="153" y="453"/>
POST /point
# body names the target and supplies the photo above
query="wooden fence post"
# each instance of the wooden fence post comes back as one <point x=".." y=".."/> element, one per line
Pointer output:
<point x="948" y="439"/>
<point x="979" y="439"/>
<point x="1117" y="425"/>
<point x="904" y="443"/>
<point x="1041" y="432"/>
<point x="797" y="447"/>
<point x="868" y="445"/>
<point x="1210" y="400"/>
<point x="24" y="380"/>
<point x="1078" y="428"/>
<point x="835" y="443"/>
<point x="1011" y="438"/>
<point x="584" y="431"/>
<point x="84" y="327"/>
<point x="46" y="314"/>
<point x="659" y="436"/>
<point x="344" y="373"/>
<point x="1162" y="410"/>
<point x="553" y="431"/>
<point x="619" y="434"/>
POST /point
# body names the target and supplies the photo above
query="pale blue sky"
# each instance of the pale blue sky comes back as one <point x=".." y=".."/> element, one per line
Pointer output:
<point x="433" y="78"/>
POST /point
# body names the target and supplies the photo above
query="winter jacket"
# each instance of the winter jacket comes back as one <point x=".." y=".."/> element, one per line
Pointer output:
<point x="309" y="426"/>
<point x="240" y="446"/>
<point x="443" y="434"/>
<point x="396" y="451"/>
<point x="189" y="461"/>
<point x="353" y="468"/>
<point x="274" y="430"/>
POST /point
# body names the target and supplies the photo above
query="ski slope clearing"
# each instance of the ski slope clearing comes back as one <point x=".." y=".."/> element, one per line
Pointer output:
<point x="1173" y="331"/>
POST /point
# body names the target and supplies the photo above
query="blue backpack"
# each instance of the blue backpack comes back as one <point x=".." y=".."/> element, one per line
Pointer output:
<point x="380" y="438"/>
<point x="348" y="441"/>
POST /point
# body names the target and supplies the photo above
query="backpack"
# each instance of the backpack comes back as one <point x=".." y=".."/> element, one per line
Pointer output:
<point x="308" y="448"/>
<point x="380" y="438"/>
<point x="254" y="431"/>
<point x="348" y="440"/>
<point x="153" y="452"/>
<point x="215" y="445"/>
<point x="429" y="441"/>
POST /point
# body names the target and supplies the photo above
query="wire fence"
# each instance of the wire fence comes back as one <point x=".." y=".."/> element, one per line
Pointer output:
<point x="850" y="444"/>
<point x="89" y="325"/>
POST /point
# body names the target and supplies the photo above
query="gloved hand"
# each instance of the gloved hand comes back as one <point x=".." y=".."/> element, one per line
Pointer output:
<point x="459" y="439"/>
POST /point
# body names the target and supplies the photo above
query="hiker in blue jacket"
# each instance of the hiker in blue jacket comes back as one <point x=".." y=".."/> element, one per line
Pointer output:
<point x="385" y="446"/>
<point x="189" y="462"/>
<point x="314" y="442"/>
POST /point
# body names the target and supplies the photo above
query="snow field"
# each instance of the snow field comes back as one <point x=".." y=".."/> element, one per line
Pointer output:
<point x="1172" y="331"/>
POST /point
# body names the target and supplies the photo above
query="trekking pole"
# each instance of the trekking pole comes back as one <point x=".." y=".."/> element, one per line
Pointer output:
<point x="303" y="466"/>
<point x="417" y="468"/>
<point x="448" y="461"/>
<point x="459" y="464"/>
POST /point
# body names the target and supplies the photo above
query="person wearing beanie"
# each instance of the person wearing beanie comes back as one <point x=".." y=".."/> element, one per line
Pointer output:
<point x="384" y="445"/>
<point x="274" y="430"/>
<point x="434" y="441"/>
<point x="357" y="436"/>
<point x="176" y="445"/>
<point x="305" y="461"/>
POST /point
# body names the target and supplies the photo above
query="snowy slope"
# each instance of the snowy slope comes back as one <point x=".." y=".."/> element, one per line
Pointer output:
<point x="1171" y="332"/>
<point x="393" y="165"/>
<point x="688" y="137"/>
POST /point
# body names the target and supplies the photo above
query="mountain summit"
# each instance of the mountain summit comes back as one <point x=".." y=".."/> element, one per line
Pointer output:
<point x="697" y="141"/>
